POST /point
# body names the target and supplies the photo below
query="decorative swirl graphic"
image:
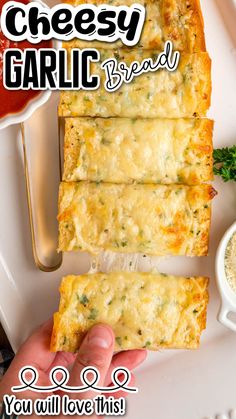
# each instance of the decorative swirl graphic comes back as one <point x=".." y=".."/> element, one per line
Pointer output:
<point x="29" y="376"/>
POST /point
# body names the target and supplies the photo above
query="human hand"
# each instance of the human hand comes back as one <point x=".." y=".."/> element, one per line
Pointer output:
<point x="96" y="350"/>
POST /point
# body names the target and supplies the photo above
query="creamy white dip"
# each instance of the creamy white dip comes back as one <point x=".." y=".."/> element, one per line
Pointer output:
<point x="230" y="262"/>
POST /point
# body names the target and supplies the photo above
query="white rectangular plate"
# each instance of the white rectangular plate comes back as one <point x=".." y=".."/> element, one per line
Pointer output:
<point x="172" y="385"/>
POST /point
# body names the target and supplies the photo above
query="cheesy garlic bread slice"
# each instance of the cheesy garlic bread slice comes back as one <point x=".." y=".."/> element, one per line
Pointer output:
<point x="142" y="150"/>
<point x="182" y="93"/>
<point x="152" y="219"/>
<point x="179" y="21"/>
<point x="145" y="310"/>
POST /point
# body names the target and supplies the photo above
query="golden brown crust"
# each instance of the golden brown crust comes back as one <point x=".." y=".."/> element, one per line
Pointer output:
<point x="206" y="84"/>
<point x="144" y="309"/>
<point x="190" y="12"/>
<point x="203" y="214"/>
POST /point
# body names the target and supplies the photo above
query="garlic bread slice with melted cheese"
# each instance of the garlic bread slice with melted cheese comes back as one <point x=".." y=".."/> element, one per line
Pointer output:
<point x="152" y="219"/>
<point x="179" y="21"/>
<point x="126" y="150"/>
<point x="145" y="310"/>
<point x="182" y="93"/>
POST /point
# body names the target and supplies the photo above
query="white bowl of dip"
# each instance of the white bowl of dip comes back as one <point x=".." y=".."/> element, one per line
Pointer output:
<point x="225" y="267"/>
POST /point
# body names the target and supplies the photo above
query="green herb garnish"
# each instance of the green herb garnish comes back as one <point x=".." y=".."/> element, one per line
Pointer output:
<point x="84" y="299"/>
<point x="225" y="163"/>
<point x="105" y="141"/>
<point x="93" y="314"/>
<point x="119" y="340"/>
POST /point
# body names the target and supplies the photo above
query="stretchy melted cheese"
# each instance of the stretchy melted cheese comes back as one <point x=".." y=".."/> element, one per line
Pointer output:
<point x="148" y="151"/>
<point x="184" y="92"/>
<point x="179" y="21"/>
<point x="158" y="220"/>
<point x="145" y="310"/>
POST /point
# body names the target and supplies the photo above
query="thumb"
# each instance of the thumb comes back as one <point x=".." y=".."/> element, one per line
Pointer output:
<point x="96" y="351"/>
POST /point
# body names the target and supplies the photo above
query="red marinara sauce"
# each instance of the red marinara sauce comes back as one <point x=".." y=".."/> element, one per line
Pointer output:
<point x="14" y="101"/>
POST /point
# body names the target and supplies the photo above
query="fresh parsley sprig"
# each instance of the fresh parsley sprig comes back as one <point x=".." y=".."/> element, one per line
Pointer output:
<point x="225" y="163"/>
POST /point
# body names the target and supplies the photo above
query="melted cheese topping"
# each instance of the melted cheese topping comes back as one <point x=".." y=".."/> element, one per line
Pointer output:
<point x="158" y="220"/>
<point x="145" y="310"/>
<point x="161" y="94"/>
<point x="179" y="21"/>
<point x="146" y="151"/>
